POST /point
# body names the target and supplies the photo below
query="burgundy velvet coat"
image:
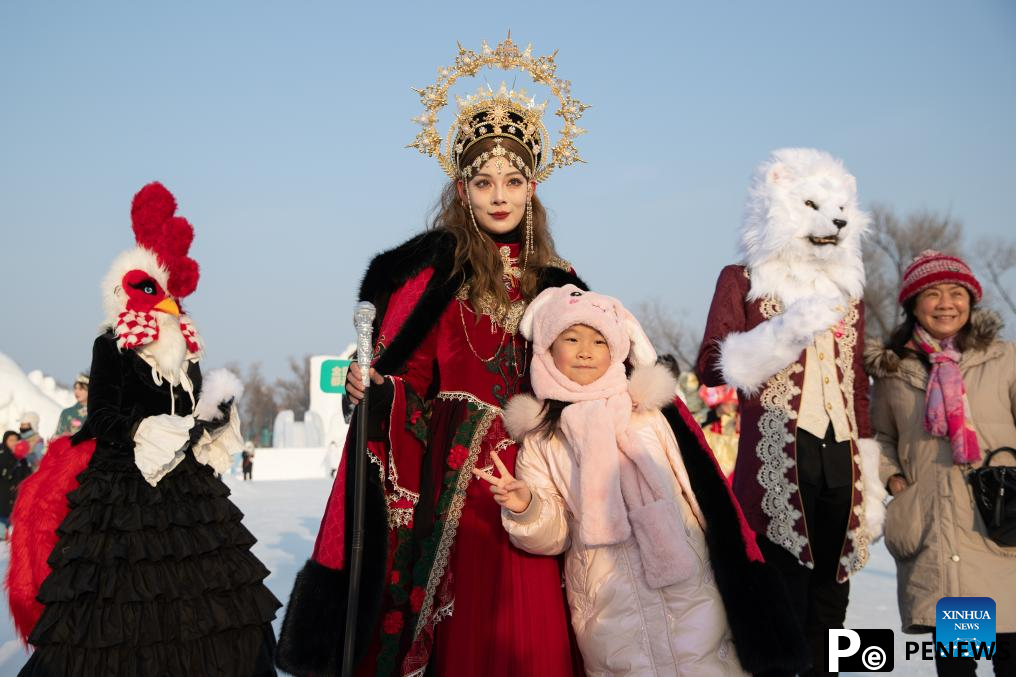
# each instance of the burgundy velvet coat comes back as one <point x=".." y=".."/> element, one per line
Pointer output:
<point x="765" y="475"/>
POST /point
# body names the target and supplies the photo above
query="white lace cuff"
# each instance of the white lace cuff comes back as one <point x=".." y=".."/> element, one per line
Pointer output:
<point x="159" y="443"/>
<point x="216" y="449"/>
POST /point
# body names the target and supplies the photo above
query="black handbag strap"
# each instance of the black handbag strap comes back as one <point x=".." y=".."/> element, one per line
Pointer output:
<point x="992" y="453"/>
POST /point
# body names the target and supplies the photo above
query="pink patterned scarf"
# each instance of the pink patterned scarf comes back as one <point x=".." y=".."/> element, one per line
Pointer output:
<point x="946" y="408"/>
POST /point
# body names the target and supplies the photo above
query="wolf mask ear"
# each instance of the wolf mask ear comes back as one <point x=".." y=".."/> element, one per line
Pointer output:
<point x="777" y="174"/>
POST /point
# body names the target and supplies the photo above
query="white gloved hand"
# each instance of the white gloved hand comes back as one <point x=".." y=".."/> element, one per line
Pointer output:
<point x="813" y="315"/>
<point x="159" y="444"/>
<point x="216" y="448"/>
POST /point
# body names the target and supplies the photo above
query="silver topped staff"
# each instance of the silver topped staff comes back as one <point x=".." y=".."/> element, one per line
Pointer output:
<point x="363" y="320"/>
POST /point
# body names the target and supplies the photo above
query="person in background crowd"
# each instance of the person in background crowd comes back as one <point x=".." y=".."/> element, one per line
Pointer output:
<point x="12" y="471"/>
<point x="248" y="460"/>
<point x="688" y="389"/>
<point x="32" y="446"/>
<point x="945" y="392"/>
<point x="722" y="426"/>
<point x="73" y="417"/>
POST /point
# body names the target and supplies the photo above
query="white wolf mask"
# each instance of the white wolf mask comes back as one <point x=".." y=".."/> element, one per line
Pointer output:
<point x="802" y="228"/>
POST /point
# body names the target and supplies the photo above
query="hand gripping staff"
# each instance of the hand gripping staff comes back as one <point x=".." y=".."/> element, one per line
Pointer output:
<point x="363" y="320"/>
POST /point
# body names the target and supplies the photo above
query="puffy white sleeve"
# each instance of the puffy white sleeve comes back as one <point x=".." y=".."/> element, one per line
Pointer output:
<point x="159" y="443"/>
<point x="216" y="448"/>
<point x="542" y="528"/>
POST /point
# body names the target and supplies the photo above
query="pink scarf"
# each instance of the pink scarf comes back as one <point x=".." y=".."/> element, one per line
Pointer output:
<point x="946" y="408"/>
<point x="595" y="425"/>
<point x="622" y="492"/>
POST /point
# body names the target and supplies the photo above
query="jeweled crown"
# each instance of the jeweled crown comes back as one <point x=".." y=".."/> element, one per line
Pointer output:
<point x="501" y="113"/>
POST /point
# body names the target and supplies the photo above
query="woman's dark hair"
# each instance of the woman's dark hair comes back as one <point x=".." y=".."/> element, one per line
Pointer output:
<point x="551" y="418"/>
<point x="900" y="337"/>
<point x="10" y="433"/>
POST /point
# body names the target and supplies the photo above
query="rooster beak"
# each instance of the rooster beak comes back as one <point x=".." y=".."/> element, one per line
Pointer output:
<point x="168" y="305"/>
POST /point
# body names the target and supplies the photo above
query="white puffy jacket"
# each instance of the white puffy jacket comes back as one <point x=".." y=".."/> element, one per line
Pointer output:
<point x="623" y="626"/>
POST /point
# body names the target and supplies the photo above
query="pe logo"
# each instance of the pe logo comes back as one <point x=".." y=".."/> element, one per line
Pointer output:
<point x="861" y="650"/>
<point x="965" y="627"/>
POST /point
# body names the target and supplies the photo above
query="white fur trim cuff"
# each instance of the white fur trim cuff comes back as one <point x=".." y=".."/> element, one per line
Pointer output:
<point x="159" y="443"/>
<point x="872" y="489"/>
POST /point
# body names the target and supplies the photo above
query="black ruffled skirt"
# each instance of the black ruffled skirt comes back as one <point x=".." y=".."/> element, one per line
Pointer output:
<point x="153" y="580"/>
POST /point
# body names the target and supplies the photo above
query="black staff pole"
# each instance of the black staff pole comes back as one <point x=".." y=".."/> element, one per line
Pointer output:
<point x="363" y="319"/>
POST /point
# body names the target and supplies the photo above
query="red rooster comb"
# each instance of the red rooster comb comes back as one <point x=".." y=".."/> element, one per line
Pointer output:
<point x="168" y="236"/>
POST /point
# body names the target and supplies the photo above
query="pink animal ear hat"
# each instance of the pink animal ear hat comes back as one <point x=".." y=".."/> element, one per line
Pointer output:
<point x="558" y="308"/>
<point x="621" y="491"/>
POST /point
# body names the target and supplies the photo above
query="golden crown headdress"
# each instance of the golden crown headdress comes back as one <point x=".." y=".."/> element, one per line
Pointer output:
<point x="501" y="113"/>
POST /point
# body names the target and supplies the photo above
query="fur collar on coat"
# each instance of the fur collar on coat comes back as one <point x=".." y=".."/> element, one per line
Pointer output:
<point x="880" y="361"/>
<point x="391" y="269"/>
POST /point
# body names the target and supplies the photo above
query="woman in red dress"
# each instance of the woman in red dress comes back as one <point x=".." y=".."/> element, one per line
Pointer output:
<point x="443" y="591"/>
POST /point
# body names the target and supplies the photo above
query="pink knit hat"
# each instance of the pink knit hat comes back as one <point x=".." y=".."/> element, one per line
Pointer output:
<point x="930" y="268"/>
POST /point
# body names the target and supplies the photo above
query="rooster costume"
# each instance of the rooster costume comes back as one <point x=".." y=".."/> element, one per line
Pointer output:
<point x="443" y="590"/>
<point x="150" y="570"/>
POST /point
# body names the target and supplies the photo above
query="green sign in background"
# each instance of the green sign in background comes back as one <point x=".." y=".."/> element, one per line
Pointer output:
<point x="333" y="376"/>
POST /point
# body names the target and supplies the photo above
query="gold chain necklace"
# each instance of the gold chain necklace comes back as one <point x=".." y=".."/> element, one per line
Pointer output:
<point x="501" y="343"/>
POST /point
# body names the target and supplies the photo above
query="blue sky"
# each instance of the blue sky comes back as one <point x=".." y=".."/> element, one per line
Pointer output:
<point x="281" y="129"/>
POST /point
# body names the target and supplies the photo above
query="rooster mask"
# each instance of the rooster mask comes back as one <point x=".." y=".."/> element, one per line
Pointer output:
<point x="144" y="286"/>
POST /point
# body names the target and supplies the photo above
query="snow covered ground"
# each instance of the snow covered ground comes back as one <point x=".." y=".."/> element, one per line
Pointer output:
<point x="284" y="516"/>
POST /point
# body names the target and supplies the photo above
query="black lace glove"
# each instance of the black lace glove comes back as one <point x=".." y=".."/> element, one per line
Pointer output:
<point x="226" y="408"/>
<point x="196" y="432"/>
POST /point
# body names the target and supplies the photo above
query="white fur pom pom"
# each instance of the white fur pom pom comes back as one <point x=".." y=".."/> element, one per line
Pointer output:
<point x="217" y="387"/>
<point x="872" y="488"/>
<point x="521" y="415"/>
<point x="652" y="387"/>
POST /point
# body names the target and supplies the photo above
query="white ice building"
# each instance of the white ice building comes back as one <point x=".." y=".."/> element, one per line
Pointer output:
<point x="311" y="447"/>
<point x="34" y="391"/>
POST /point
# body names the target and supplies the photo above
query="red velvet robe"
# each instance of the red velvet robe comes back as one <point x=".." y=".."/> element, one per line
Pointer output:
<point x="454" y="585"/>
<point x="765" y="474"/>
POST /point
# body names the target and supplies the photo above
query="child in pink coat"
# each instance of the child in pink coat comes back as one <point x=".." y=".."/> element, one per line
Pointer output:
<point x="604" y="476"/>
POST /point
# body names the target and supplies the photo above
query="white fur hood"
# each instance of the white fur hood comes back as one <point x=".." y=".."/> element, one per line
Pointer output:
<point x="651" y="387"/>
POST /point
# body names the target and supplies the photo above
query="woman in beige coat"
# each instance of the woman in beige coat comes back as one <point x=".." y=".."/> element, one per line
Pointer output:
<point x="662" y="574"/>
<point x="932" y="528"/>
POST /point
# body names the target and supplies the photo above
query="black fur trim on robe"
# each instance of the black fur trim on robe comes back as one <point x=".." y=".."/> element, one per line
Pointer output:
<point x="311" y="641"/>
<point x="393" y="268"/>
<point x="766" y="634"/>
<point x="313" y="631"/>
